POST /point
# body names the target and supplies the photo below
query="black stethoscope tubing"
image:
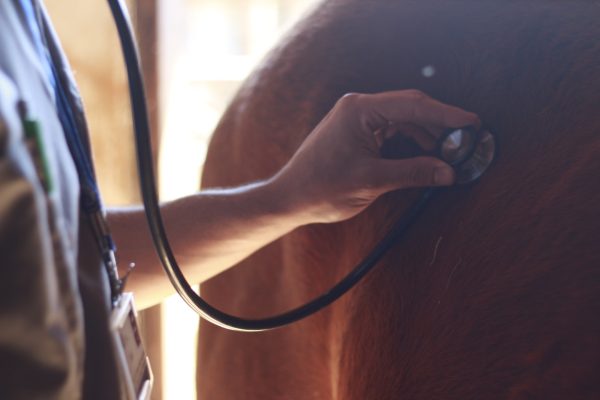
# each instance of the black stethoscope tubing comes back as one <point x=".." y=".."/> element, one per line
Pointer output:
<point x="159" y="237"/>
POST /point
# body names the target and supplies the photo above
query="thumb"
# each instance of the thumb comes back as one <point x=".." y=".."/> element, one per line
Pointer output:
<point x="414" y="172"/>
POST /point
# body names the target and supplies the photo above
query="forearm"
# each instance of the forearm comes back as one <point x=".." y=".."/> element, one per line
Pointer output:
<point x="209" y="232"/>
<point x="335" y="174"/>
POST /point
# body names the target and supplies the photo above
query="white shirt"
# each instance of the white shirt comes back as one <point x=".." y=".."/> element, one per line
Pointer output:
<point x="43" y="307"/>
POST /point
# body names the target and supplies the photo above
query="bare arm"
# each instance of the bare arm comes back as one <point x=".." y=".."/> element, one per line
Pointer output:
<point x="209" y="232"/>
<point x="336" y="173"/>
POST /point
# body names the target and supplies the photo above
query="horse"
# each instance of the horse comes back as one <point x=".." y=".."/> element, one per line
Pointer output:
<point x="494" y="293"/>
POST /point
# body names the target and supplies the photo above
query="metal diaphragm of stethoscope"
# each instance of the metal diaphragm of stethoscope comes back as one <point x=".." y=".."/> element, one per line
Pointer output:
<point x="468" y="150"/>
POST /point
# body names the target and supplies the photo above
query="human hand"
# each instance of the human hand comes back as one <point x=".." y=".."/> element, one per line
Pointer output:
<point x="338" y="171"/>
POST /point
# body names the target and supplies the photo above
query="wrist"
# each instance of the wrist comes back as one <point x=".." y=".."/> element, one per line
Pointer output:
<point x="286" y="200"/>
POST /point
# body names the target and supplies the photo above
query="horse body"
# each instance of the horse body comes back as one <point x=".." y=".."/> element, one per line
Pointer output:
<point x="494" y="293"/>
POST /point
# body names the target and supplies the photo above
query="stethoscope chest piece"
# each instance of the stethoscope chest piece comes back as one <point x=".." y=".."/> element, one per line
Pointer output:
<point x="468" y="150"/>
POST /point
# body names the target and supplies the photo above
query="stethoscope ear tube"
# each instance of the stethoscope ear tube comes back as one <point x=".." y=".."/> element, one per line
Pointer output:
<point x="146" y="168"/>
<point x="156" y="226"/>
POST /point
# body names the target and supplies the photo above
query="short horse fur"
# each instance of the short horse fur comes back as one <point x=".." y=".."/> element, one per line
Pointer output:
<point x="495" y="292"/>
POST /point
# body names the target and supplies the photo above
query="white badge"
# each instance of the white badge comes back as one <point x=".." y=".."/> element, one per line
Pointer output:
<point x="134" y="367"/>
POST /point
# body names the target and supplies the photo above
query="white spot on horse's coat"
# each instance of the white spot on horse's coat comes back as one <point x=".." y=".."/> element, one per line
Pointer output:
<point x="435" y="251"/>
<point x="452" y="273"/>
<point x="428" y="71"/>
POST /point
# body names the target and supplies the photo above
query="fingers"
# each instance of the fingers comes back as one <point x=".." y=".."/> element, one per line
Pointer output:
<point x="413" y="172"/>
<point x="409" y="107"/>
<point x="421" y="136"/>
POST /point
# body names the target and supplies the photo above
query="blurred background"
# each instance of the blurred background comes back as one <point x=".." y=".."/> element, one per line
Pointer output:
<point x="195" y="54"/>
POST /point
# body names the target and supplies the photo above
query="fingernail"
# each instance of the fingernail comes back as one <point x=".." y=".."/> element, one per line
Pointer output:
<point x="443" y="176"/>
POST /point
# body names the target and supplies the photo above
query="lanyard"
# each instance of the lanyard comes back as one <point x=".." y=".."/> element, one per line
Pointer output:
<point x="90" y="200"/>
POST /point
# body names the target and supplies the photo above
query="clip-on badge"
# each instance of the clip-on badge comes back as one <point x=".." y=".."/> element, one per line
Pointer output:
<point x="134" y="367"/>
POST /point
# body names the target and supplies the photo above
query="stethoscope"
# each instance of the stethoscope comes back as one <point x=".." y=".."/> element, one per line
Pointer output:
<point x="469" y="150"/>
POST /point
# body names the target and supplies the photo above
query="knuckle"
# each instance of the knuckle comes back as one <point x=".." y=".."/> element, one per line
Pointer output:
<point x="417" y="100"/>
<point x="350" y="101"/>
<point x="416" y="94"/>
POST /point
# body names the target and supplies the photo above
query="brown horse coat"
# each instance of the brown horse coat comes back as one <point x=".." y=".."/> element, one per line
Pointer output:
<point x="495" y="292"/>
